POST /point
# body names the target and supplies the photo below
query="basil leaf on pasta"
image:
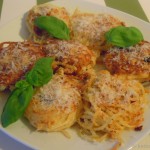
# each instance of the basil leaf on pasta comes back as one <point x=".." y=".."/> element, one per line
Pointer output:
<point x="54" y="26"/>
<point x="122" y="36"/>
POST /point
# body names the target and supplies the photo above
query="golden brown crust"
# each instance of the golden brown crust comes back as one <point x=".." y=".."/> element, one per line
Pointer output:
<point x="131" y="62"/>
<point x="74" y="57"/>
<point x="16" y="58"/>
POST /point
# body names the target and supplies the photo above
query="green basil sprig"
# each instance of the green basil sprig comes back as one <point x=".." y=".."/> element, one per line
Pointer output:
<point x="16" y="103"/>
<point x="41" y="73"/>
<point x="20" y="97"/>
<point x="122" y="36"/>
<point x="54" y="26"/>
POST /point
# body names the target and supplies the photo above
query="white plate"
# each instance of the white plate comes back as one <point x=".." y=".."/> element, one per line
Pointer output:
<point x="23" y="132"/>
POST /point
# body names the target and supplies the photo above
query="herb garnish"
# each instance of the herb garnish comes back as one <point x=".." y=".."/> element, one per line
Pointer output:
<point x="122" y="36"/>
<point x="20" y="97"/>
<point x="54" y="26"/>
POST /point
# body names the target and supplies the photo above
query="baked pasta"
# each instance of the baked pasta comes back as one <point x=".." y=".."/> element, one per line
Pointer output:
<point x="46" y="9"/>
<point x="132" y="62"/>
<point x="112" y="104"/>
<point x="16" y="58"/>
<point x="56" y="105"/>
<point x="89" y="29"/>
<point x="74" y="57"/>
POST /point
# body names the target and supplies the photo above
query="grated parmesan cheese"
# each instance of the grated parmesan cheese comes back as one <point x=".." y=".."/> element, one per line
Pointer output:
<point x="70" y="54"/>
<point x="129" y="61"/>
<point x="15" y="59"/>
<point x="89" y="29"/>
<point x="60" y="92"/>
<point x="115" y="90"/>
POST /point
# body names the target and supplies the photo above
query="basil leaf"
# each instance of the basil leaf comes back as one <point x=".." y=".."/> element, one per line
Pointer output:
<point x="22" y="94"/>
<point x="16" y="103"/>
<point x="41" y="73"/>
<point x="22" y="84"/>
<point x="54" y="26"/>
<point x="124" y="36"/>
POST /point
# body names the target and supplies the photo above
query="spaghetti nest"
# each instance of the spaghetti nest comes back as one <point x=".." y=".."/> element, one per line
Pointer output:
<point x="111" y="105"/>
